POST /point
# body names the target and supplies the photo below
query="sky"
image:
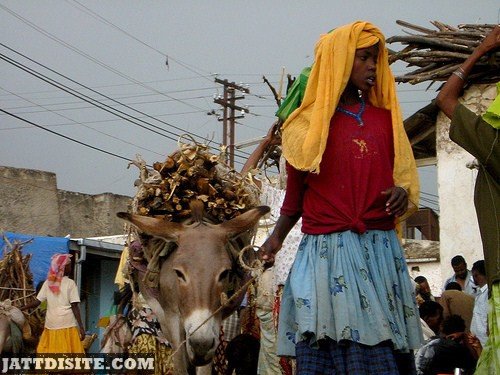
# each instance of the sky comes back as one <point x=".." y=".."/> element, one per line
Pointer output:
<point x="88" y="85"/>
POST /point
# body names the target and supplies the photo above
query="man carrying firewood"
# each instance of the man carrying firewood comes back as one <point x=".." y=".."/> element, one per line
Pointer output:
<point x="479" y="135"/>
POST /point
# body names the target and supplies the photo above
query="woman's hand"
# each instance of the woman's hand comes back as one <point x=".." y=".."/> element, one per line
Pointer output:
<point x="397" y="203"/>
<point x="273" y="136"/>
<point x="273" y="243"/>
<point x="82" y="334"/>
<point x="268" y="251"/>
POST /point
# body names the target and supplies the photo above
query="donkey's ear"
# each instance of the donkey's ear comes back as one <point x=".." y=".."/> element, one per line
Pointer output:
<point x="153" y="226"/>
<point x="245" y="221"/>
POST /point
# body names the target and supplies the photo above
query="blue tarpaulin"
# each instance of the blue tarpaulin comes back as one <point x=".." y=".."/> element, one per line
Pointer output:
<point x="41" y="248"/>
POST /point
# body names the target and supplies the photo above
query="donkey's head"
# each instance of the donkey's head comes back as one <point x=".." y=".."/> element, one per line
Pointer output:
<point x="199" y="271"/>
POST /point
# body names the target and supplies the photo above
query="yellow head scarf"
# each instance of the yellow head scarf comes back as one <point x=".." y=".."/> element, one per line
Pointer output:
<point x="305" y="132"/>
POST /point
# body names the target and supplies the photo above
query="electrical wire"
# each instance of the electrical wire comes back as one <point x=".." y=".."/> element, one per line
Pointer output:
<point x="125" y="97"/>
<point x="92" y="100"/>
<point x="84" y="97"/>
<point x="73" y="122"/>
<point x="97" y="92"/>
<point x="103" y="106"/>
<point x="129" y="84"/>
<point x="65" y="136"/>
<point x="87" y="56"/>
<point x="100" y="18"/>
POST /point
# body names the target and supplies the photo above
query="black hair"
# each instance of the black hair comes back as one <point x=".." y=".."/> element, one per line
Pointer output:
<point x="479" y="266"/>
<point x="242" y="354"/>
<point x="452" y="324"/>
<point x="123" y="298"/>
<point x="453" y="285"/>
<point x="457" y="259"/>
<point x="420" y="279"/>
<point x="429" y="308"/>
<point x="39" y="286"/>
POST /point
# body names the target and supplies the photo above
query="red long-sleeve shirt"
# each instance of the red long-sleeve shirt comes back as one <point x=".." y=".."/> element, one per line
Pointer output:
<point x="356" y="167"/>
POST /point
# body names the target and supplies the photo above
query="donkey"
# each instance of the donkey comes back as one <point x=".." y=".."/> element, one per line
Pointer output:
<point x="193" y="277"/>
<point x="11" y="318"/>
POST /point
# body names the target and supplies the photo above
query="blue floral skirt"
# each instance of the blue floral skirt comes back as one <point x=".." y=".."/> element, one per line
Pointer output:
<point x="349" y="286"/>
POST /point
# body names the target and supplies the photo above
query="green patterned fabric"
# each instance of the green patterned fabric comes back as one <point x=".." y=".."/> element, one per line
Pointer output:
<point x="492" y="114"/>
<point x="489" y="362"/>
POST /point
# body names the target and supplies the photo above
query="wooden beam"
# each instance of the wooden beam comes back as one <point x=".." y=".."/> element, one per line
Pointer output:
<point x="425" y="162"/>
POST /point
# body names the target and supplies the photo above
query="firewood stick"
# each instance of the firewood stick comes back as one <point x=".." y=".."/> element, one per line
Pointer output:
<point x="442" y="26"/>
<point x="429" y="42"/>
<point x="431" y="54"/>
<point x="415" y="27"/>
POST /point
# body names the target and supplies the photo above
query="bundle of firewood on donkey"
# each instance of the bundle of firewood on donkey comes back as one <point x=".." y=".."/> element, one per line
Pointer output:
<point x="435" y="54"/>
<point x="17" y="289"/>
<point x="192" y="172"/>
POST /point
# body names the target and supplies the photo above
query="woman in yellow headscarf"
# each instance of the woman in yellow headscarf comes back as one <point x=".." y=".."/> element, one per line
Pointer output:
<point x="348" y="305"/>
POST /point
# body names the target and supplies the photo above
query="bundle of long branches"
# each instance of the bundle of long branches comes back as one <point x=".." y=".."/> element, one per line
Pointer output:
<point x="435" y="54"/>
<point x="192" y="172"/>
<point x="16" y="281"/>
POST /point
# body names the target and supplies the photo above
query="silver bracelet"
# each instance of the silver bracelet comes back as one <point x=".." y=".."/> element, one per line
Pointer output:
<point x="460" y="73"/>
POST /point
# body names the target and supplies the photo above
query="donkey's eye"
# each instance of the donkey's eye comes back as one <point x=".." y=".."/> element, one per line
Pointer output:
<point x="180" y="275"/>
<point x="224" y="275"/>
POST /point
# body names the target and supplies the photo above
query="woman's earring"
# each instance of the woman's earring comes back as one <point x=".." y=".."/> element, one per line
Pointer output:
<point x="360" y="93"/>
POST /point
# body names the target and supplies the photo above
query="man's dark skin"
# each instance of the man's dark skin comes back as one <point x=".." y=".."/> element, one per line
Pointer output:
<point x="460" y="273"/>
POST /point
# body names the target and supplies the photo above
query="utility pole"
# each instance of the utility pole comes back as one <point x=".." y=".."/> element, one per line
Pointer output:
<point x="228" y="103"/>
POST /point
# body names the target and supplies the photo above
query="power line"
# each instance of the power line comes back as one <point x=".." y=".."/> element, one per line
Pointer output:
<point x="96" y="92"/>
<point x="89" y="127"/>
<point x="46" y="108"/>
<point x="92" y="100"/>
<point x="133" y="84"/>
<point x="65" y="136"/>
<point x="90" y="12"/>
<point x="72" y="139"/>
<point x="130" y="96"/>
<point x="87" y="56"/>
<point x="84" y="97"/>
<point x="97" y="103"/>
<point x="3" y="57"/>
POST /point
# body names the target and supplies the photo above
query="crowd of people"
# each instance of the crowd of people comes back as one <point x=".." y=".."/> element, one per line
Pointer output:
<point x="454" y="324"/>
